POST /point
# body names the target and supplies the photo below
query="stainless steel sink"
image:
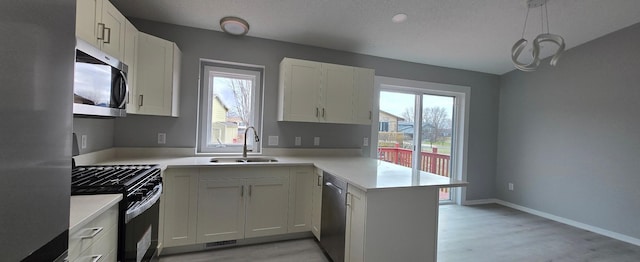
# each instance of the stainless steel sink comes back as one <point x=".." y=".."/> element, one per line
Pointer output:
<point x="243" y="160"/>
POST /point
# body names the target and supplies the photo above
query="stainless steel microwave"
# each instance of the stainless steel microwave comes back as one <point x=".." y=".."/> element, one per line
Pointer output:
<point x="100" y="83"/>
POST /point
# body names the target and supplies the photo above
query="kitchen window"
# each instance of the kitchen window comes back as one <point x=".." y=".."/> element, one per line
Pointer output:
<point x="230" y="103"/>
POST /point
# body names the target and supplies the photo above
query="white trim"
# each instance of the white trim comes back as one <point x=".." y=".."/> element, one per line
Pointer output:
<point x="597" y="230"/>
<point x="479" y="202"/>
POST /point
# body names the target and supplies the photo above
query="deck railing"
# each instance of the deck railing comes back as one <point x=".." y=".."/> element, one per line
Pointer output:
<point x="431" y="162"/>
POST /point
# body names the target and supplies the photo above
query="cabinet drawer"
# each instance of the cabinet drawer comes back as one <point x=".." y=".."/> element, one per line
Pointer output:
<point x="85" y="236"/>
<point x="101" y="249"/>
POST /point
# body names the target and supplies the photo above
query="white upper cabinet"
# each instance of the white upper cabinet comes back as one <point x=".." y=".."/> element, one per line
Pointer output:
<point x="157" y="76"/>
<point x="337" y="93"/>
<point x="102" y="25"/>
<point x="299" y="90"/>
<point x="130" y="57"/>
<point x="321" y="92"/>
<point x="363" y="95"/>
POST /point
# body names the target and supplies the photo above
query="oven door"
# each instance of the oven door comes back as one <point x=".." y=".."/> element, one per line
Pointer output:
<point x="141" y="230"/>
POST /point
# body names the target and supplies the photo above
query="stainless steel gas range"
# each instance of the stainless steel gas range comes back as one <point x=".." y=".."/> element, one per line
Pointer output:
<point x="141" y="186"/>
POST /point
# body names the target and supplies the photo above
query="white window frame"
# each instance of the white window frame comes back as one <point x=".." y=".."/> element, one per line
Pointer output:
<point x="462" y="97"/>
<point x="205" y="102"/>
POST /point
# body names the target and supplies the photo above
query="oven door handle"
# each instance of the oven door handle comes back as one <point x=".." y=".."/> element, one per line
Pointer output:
<point x="140" y="208"/>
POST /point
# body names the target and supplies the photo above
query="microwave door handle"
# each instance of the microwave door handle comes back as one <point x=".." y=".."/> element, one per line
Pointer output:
<point x="124" y="86"/>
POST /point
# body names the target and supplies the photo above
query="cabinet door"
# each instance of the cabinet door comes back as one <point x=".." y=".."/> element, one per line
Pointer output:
<point x="154" y="75"/>
<point x="356" y="220"/>
<point x="299" y="88"/>
<point x="267" y="205"/>
<point x="221" y="210"/>
<point x="114" y="23"/>
<point x="316" y="211"/>
<point x="337" y="92"/>
<point x="363" y="91"/>
<point x="88" y="15"/>
<point x="180" y="208"/>
<point x="130" y="47"/>
<point x="300" y="203"/>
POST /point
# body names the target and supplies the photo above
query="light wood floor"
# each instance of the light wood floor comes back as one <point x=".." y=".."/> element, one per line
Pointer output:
<point x="490" y="233"/>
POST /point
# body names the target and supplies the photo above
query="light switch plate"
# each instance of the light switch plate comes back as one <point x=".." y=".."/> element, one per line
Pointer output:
<point x="273" y="140"/>
<point x="162" y="138"/>
<point x="83" y="141"/>
<point x="365" y="141"/>
<point x="316" y="141"/>
<point x="298" y="141"/>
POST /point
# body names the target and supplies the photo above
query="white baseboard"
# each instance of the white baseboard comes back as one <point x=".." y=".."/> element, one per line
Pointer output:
<point x="570" y="222"/>
<point x="479" y="202"/>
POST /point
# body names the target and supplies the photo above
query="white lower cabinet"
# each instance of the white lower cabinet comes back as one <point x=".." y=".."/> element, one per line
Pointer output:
<point x="300" y="199"/>
<point x="95" y="240"/>
<point x="316" y="201"/>
<point x="237" y="203"/>
<point x="180" y="206"/>
<point x="221" y="211"/>
<point x="266" y="205"/>
<point x="211" y="204"/>
<point x="355" y="227"/>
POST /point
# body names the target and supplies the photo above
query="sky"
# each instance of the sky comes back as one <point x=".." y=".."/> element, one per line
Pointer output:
<point x="396" y="103"/>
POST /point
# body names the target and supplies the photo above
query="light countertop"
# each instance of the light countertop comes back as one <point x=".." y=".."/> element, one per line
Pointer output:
<point x="365" y="173"/>
<point x="85" y="208"/>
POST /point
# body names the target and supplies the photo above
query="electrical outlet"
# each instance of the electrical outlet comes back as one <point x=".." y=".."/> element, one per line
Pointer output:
<point x="83" y="141"/>
<point x="298" y="141"/>
<point x="510" y="186"/>
<point x="273" y="140"/>
<point x="162" y="138"/>
<point x="365" y="141"/>
<point x="316" y="141"/>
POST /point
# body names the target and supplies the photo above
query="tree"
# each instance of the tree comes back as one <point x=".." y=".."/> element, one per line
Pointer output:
<point x="435" y="120"/>
<point x="242" y="93"/>
<point x="407" y="114"/>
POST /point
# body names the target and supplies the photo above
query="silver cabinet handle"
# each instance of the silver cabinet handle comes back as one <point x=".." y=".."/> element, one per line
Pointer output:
<point x="319" y="180"/>
<point x="370" y="115"/>
<point x="140" y="100"/>
<point x="347" y="202"/>
<point x="108" y="40"/>
<point x="242" y="191"/>
<point x="323" y="112"/>
<point x="317" y="112"/>
<point x="94" y="232"/>
<point x="250" y="186"/>
<point x="101" y="30"/>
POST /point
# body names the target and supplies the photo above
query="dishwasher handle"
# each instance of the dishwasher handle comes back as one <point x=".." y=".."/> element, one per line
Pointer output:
<point x="331" y="185"/>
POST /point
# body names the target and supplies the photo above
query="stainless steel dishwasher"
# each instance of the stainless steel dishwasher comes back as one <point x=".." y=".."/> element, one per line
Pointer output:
<point x="334" y="216"/>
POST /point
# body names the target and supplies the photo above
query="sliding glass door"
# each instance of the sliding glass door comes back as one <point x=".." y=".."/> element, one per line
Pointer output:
<point x="416" y="129"/>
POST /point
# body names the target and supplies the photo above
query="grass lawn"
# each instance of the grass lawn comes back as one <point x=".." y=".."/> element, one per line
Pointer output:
<point x="444" y="147"/>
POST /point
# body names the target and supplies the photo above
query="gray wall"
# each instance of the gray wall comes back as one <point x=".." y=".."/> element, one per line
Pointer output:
<point x="99" y="132"/>
<point x="568" y="136"/>
<point x="141" y="131"/>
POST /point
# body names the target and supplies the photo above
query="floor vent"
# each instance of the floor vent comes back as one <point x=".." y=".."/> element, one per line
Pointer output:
<point x="220" y="243"/>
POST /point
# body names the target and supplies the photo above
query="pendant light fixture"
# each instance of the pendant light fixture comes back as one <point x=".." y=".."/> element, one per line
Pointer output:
<point x="234" y="25"/>
<point x="520" y="45"/>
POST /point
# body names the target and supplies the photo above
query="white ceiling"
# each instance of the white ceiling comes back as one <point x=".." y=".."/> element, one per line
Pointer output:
<point x="474" y="35"/>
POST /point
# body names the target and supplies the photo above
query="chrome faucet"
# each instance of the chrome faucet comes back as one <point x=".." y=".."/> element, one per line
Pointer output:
<point x="256" y="138"/>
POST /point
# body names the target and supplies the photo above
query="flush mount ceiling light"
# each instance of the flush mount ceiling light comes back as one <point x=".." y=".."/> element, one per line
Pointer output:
<point x="399" y="18"/>
<point x="234" y="25"/>
<point x="519" y="46"/>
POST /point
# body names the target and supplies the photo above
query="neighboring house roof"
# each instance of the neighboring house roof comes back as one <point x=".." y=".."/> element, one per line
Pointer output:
<point x="405" y="127"/>
<point x="221" y="102"/>
<point x="399" y="118"/>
